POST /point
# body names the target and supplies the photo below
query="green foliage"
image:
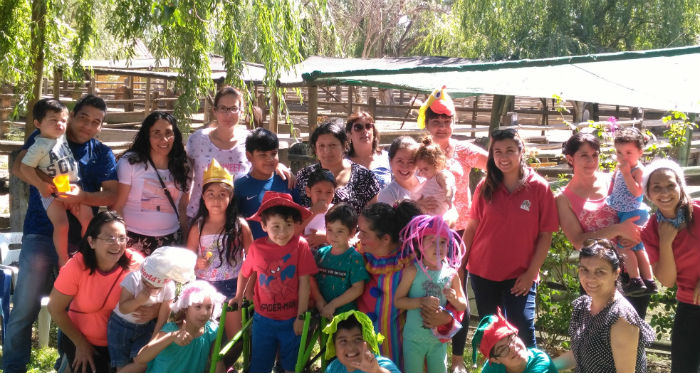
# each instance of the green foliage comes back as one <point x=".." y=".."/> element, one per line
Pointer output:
<point x="663" y="306"/>
<point x="42" y="360"/>
<point x="679" y="127"/>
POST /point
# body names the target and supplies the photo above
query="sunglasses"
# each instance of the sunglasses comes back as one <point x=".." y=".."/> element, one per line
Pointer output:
<point x="358" y="127"/>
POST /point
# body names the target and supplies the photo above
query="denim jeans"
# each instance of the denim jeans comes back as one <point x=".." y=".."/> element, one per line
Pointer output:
<point x="37" y="262"/>
<point x="685" y="342"/>
<point x="519" y="310"/>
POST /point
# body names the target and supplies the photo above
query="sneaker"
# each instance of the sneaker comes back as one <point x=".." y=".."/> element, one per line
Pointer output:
<point x="634" y="287"/>
<point x="651" y="287"/>
<point x="459" y="369"/>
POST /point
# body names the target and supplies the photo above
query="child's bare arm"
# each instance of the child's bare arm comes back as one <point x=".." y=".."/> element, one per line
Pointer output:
<point x="401" y="299"/>
<point x="193" y="239"/>
<point x="128" y="302"/>
<point x="302" y="303"/>
<point x="633" y="180"/>
<point x="240" y="291"/>
<point x="446" y="181"/>
<point x="316" y="293"/>
<point x="31" y="174"/>
<point x="163" y="315"/>
<point x="455" y="295"/>
<point x="154" y="347"/>
<point x="348" y="296"/>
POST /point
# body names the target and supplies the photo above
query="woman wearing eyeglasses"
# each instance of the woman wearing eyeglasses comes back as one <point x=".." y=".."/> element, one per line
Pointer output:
<point x="363" y="140"/>
<point x="509" y="233"/>
<point x="607" y="334"/>
<point x="87" y="290"/>
<point x="153" y="184"/>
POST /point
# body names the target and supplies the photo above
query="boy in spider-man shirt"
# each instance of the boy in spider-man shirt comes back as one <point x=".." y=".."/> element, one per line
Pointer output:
<point x="283" y="263"/>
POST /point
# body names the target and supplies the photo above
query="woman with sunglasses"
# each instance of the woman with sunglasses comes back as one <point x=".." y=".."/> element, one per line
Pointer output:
<point x="607" y="334"/>
<point x="583" y="213"/>
<point x="363" y="140"/>
<point x="509" y="233"/>
<point x="87" y="290"/>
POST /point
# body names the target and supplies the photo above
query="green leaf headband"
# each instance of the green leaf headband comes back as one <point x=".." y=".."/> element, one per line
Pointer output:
<point x="373" y="339"/>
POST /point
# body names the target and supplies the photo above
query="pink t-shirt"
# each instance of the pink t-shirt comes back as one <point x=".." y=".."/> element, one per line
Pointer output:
<point x="94" y="295"/>
<point x="278" y="269"/>
<point x="592" y="214"/>
<point x="509" y="225"/>
<point x="686" y="253"/>
<point x="464" y="158"/>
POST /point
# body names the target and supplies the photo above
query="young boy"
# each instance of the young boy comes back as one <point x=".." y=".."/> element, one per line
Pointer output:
<point x="283" y="263"/>
<point x="498" y="341"/>
<point x="51" y="155"/>
<point x="341" y="269"/>
<point x="261" y="150"/>
<point x="351" y="337"/>
<point x="321" y="189"/>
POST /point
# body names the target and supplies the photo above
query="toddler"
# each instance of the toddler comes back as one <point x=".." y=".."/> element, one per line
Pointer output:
<point x="439" y="182"/>
<point x="320" y="188"/>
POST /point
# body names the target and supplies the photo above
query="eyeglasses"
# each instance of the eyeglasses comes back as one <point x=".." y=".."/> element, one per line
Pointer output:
<point x="504" y="349"/>
<point x="228" y="109"/>
<point x="121" y="240"/>
<point x="358" y="127"/>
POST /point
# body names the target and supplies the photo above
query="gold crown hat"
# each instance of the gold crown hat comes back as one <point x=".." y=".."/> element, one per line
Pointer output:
<point x="217" y="174"/>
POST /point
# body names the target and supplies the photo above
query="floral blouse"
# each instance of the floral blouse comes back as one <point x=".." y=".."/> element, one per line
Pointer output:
<point x="360" y="189"/>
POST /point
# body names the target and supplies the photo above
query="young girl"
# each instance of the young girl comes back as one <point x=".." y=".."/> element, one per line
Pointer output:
<point x="152" y="284"/>
<point x="429" y="283"/>
<point x="219" y="236"/>
<point x="626" y="197"/>
<point x="439" y="182"/>
<point x="672" y="239"/>
<point x="402" y="155"/>
<point x="185" y="344"/>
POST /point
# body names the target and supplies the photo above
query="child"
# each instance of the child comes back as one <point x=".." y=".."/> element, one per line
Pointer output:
<point x="402" y="155"/>
<point x="341" y="269"/>
<point x="505" y="352"/>
<point x="153" y="284"/>
<point x="626" y="197"/>
<point x="439" y="182"/>
<point x="51" y="155"/>
<point x="429" y="283"/>
<point x="283" y="263"/>
<point x="320" y="188"/>
<point x="352" y="339"/>
<point x="261" y="150"/>
<point x="185" y="344"/>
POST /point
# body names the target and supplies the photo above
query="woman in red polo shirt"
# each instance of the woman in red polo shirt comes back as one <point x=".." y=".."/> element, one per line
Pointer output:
<point x="672" y="240"/>
<point x="512" y="218"/>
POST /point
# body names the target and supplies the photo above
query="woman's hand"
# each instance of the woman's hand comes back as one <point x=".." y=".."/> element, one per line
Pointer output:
<point x="83" y="357"/>
<point x="667" y="233"/>
<point x="429" y="203"/>
<point x="629" y="230"/>
<point x="286" y="174"/>
<point x="433" y="319"/>
<point x="523" y="284"/>
<point x="147" y="313"/>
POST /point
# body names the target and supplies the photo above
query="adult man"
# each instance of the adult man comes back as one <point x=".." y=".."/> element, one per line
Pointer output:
<point x="38" y="258"/>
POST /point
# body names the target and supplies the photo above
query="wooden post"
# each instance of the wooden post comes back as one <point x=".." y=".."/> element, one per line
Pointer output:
<point x="147" y="103"/>
<point x="312" y="94"/>
<point x="91" y="85"/>
<point x="19" y="195"/>
<point x="372" y="101"/>
<point x="351" y="98"/>
<point x="475" y="114"/>
<point x="500" y="106"/>
<point x="207" y="110"/>
<point x="57" y="75"/>
<point x="275" y="111"/>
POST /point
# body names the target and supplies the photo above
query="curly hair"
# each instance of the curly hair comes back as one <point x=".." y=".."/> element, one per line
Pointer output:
<point x="630" y="135"/>
<point x="431" y="153"/>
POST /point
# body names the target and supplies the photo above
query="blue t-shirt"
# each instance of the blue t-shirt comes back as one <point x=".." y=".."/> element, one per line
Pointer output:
<point x="336" y="367"/>
<point x="192" y="358"/>
<point x="337" y="273"/>
<point x="96" y="164"/>
<point x="249" y="192"/>
<point x="537" y="362"/>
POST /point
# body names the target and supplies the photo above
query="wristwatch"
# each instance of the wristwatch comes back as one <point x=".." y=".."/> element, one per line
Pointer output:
<point x="301" y="317"/>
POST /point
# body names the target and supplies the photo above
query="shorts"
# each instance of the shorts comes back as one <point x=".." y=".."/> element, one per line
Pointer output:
<point x="226" y="287"/>
<point x="643" y="217"/>
<point x="268" y="336"/>
<point x="47" y="201"/>
<point x="125" y="339"/>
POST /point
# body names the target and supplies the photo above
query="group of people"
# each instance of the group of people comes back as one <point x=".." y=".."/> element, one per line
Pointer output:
<point x="382" y="243"/>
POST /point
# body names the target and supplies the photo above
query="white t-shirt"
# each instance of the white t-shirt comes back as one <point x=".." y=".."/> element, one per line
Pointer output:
<point x="318" y="223"/>
<point x="200" y="148"/>
<point x="132" y="283"/>
<point x="395" y="193"/>
<point x="53" y="157"/>
<point x="147" y="210"/>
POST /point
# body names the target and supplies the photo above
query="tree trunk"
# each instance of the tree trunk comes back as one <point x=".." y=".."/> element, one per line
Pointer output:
<point x="38" y="30"/>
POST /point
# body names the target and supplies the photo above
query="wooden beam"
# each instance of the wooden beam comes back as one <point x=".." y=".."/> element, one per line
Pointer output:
<point x="147" y="103"/>
<point x="372" y="101"/>
<point x="312" y="95"/>
<point x="57" y="77"/>
<point x="274" y="111"/>
<point x="351" y="98"/>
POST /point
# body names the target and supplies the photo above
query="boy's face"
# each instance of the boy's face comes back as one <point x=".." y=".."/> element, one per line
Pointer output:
<point x="279" y="230"/>
<point x="53" y="125"/>
<point x="264" y="162"/>
<point x="349" y="347"/>
<point x="509" y="351"/>
<point x="321" y="191"/>
<point x="338" y="235"/>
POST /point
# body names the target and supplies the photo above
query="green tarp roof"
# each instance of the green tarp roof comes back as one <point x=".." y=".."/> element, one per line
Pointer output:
<point x="665" y="79"/>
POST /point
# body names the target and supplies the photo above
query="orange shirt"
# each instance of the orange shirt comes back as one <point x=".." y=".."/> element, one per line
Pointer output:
<point x="94" y="295"/>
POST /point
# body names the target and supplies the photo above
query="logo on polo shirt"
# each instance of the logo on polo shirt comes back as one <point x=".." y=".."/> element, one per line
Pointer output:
<point x="525" y="205"/>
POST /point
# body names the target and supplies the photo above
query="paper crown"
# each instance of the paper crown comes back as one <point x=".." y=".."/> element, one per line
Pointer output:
<point x="439" y="102"/>
<point x="368" y="334"/>
<point x="169" y="263"/>
<point x="491" y="329"/>
<point x="271" y="199"/>
<point x="216" y="174"/>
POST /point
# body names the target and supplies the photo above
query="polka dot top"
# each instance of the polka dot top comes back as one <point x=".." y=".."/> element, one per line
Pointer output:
<point x="590" y="334"/>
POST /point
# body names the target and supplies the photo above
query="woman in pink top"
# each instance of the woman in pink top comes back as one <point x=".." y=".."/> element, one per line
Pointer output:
<point x="87" y="290"/>
<point x="583" y="213"/>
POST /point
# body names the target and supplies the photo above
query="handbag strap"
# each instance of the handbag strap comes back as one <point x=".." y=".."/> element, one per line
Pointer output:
<point x="165" y="189"/>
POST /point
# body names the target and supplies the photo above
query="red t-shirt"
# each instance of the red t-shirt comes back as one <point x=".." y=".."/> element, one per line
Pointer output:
<point x="278" y="269"/>
<point x="504" y="242"/>
<point x="686" y="252"/>
<point x="94" y="295"/>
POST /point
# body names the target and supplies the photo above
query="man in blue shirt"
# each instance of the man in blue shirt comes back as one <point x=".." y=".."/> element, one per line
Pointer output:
<point x="38" y="258"/>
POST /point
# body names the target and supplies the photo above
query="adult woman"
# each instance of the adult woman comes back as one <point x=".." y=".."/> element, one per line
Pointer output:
<point x="362" y="146"/>
<point x="583" y="213"/>
<point x="672" y="240"/>
<point x="153" y="183"/>
<point x="606" y="333"/>
<point x="87" y="290"/>
<point x="402" y="153"/>
<point x="510" y="228"/>
<point x="356" y="185"/>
